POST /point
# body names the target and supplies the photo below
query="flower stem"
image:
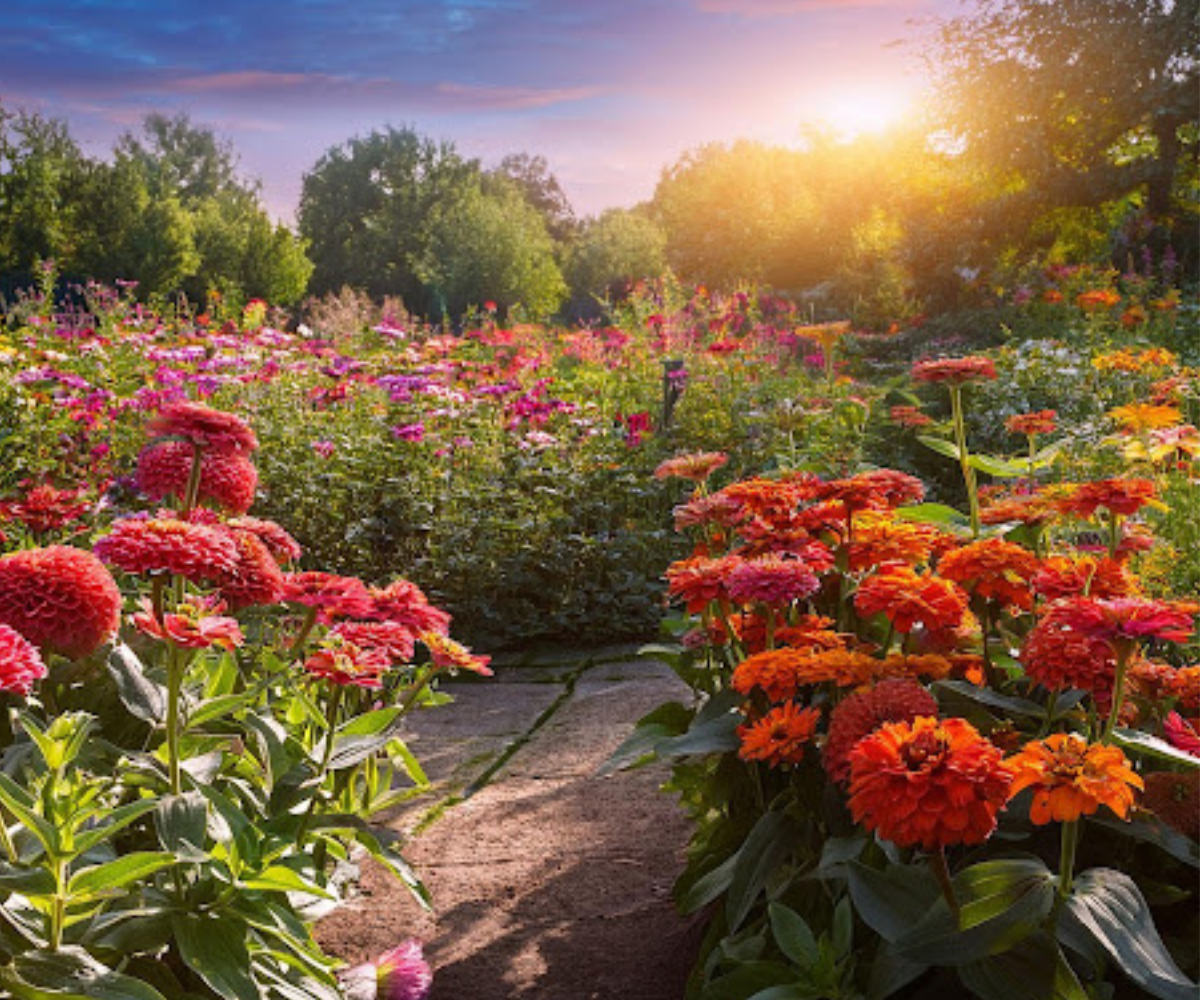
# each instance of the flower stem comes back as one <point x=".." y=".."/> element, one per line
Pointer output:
<point x="1118" y="695"/>
<point x="174" y="693"/>
<point x="191" y="495"/>
<point x="331" y="716"/>
<point x="1066" y="858"/>
<point x="937" y="864"/>
<point x="964" y="457"/>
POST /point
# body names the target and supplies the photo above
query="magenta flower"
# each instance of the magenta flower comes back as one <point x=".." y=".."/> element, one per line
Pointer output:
<point x="409" y="432"/>
<point x="399" y="974"/>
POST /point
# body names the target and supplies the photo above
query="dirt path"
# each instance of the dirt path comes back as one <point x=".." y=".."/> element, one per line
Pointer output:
<point x="550" y="883"/>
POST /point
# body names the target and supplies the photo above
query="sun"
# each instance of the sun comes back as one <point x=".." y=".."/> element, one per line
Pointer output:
<point x="853" y="111"/>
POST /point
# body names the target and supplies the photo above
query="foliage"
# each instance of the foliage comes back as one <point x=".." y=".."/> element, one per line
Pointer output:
<point x="612" y="253"/>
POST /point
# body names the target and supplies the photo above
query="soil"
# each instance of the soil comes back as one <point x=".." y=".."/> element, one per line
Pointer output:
<point x="549" y="882"/>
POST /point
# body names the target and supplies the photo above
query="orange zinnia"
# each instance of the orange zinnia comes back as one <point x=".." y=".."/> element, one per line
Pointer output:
<point x="1066" y="576"/>
<point x="698" y="581"/>
<point x="929" y="783"/>
<point x="864" y="712"/>
<point x="908" y="598"/>
<point x="1138" y="417"/>
<point x="879" y="539"/>
<point x="994" y="570"/>
<point x="1118" y="496"/>
<point x="695" y="467"/>
<point x="780" y="736"/>
<point x="1029" y="510"/>
<point x="1072" y="778"/>
<point x="1041" y="422"/>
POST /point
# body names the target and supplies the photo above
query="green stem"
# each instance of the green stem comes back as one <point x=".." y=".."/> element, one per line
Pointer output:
<point x="174" y="694"/>
<point x="770" y="627"/>
<point x="9" y="847"/>
<point x="1066" y="858"/>
<point x="58" y="911"/>
<point x="937" y="864"/>
<point x="306" y="627"/>
<point x="964" y="457"/>
<point x="414" y="692"/>
<point x="191" y="495"/>
<point x="1124" y="648"/>
<point x="331" y="717"/>
<point x="1114" y="534"/>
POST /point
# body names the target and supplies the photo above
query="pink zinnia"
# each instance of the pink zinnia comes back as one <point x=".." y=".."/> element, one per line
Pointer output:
<point x="167" y="545"/>
<point x="20" y="662"/>
<point x="1181" y="735"/>
<point x="955" y="371"/>
<point x="276" y="538"/>
<point x="195" y="625"/>
<point x="333" y="596"/>
<point x="405" y="603"/>
<point x="342" y="663"/>
<point x="204" y="427"/>
<point x="390" y="637"/>
<point x="227" y="478"/>
<point x="255" y="577"/>
<point x="450" y="655"/>
<point x="772" y="580"/>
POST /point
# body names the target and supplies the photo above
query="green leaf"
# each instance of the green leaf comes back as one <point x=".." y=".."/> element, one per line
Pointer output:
<point x="362" y="736"/>
<point x="998" y="467"/>
<point x="398" y="750"/>
<point x="1002" y="902"/>
<point x="1109" y="907"/>
<point x="747" y="979"/>
<point x="95" y="880"/>
<point x="933" y="513"/>
<point x="19" y="804"/>
<point x="1152" y="746"/>
<point x="214" y="947"/>
<point x="216" y="708"/>
<point x="143" y="697"/>
<point x="988" y="697"/>
<point x="714" y="729"/>
<point x="786" y="992"/>
<point x="891" y="901"/>
<point x="278" y="878"/>
<point x="181" y="822"/>
<point x="769" y="844"/>
<point x="843" y="928"/>
<point x="69" y="973"/>
<point x="1035" y="969"/>
<point x="1155" y="831"/>
<point x="708" y="887"/>
<point x="27" y="881"/>
<point x="118" y="819"/>
<point x="941" y="446"/>
<point x="793" y="935"/>
<point x="668" y="720"/>
<point x="889" y="972"/>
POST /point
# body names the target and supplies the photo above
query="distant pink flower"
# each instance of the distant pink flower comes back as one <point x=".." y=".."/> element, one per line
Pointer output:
<point x="399" y="974"/>
<point x="409" y="432"/>
<point x="323" y="448"/>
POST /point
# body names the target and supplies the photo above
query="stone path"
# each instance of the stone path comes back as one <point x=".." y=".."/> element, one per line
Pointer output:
<point x="550" y="883"/>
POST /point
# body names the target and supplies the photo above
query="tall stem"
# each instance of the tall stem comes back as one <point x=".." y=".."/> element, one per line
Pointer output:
<point x="937" y="864"/>
<point x="331" y="718"/>
<point x="191" y="495"/>
<point x="964" y="457"/>
<point x="1124" y="648"/>
<point x="174" y="693"/>
<point x="1066" y="858"/>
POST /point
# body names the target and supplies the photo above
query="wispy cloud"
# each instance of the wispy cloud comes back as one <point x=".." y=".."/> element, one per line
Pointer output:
<point x="788" y="8"/>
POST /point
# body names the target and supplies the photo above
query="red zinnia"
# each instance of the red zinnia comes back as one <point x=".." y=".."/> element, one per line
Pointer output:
<point x="908" y="598"/>
<point x="213" y="430"/>
<point x="196" y="624"/>
<point x="45" y="508"/>
<point x="955" y="371"/>
<point x="276" y="538"/>
<point x="227" y="478"/>
<point x="342" y="663"/>
<point x="864" y="712"/>
<point x="1041" y="422"/>
<point x="1119" y="496"/>
<point x="928" y="783"/>
<point x="167" y="545"/>
<point x="333" y="596"/>
<point x="20" y="663"/>
<point x="403" y="602"/>
<point x="255" y="577"/>
<point x="390" y="637"/>
<point x="62" y="600"/>
<point x="699" y="581"/>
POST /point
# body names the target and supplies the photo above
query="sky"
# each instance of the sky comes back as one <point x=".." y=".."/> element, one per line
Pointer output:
<point x="609" y="91"/>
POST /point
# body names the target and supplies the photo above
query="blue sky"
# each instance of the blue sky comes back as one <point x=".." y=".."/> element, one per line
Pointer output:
<point x="610" y="91"/>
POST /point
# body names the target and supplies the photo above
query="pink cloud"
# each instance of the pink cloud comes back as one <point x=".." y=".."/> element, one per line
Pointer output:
<point x="514" y="98"/>
<point x="246" y="80"/>
<point x="786" y="8"/>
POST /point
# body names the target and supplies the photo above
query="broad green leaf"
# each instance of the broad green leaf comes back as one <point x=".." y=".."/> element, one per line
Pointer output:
<point x="708" y="887"/>
<point x="215" y="948"/>
<point x="793" y="935"/>
<point x="843" y="928"/>
<point x="998" y="467"/>
<point x="889" y="972"/>
<point x="1034" y="969"/>
<point x="362" y="736"/>
<point x="69" y="973"/>
<point x="1152" y="746"/>
<point x="748" y="979"/>
<point x="114" y="874"/>
<point x="118" y="819"/>
<point x="891" y="901"/>
<point x="216" y="708"/>
<point x="278" y="878"/>
<point x="668" y="720"/>
<point x="1155" y="831"/>
<point x="144" y="698"/>
<point x="398" y="750"/>
<point x="1002" y="903"/>
<point x="768" y="845"/>
<point x="1109" y="907"/>
<point x="989" y="698"/>
<point x="933" y="513"/>
<point x="941" y="446"/>
<point x="714" y="729"/>
<point x="181" y="822"/>
<point x="17" y="800"/>
<point x="26" y="881"/>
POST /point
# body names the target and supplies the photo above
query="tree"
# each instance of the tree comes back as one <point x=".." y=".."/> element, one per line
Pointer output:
<point x="532" y="176"/>
<point x="366" y="205"/>
<point x="490" y="246"/>
<point x="1076" y="104"/>
<point x="182" y="160"/>
<point x="611" y="252"/>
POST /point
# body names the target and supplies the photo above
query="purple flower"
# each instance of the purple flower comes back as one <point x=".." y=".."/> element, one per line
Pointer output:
<point x="409" y="432"/>
<point x="323" y="448"/>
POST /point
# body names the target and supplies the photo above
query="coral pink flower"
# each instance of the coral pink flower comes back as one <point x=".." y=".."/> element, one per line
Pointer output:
<point x="771" y="580"/>
<point x="193" y="625"/>
<point x="399" y="974"/>
<point x="342" y="663"/>
<point x="333" y="596"/>
<point x="405" y="603"/>
<point x="62" y="600"/>
<point x="167" y="545"/>
<point x="277" y="539"/>
<point x="20" y="662"/>
<point x="864" y="712"/>
<point x="227" y="478"/>
<point x="450" y="655"/>
<point x="1119" y="496"/>
<point x="955" y="371"/>
<point x="1029" y="424"/>
<point x="695" y="467"/>
<point x="44" y="508"/>
<point x="255" y="577"/>
<point x="697" y="581"/>
<point x="205" y="428"/>
<point x="391" y="637"/>
<point x="1181" y="735"/>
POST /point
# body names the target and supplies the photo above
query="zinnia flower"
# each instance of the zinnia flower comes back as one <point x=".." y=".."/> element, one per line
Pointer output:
<point x="196" y="552"/>
<point x="44" y="508"/>
<point x="20" y="663"/>
<point x="333" y="596"/>
<point x="1118" y="496"/>
<point x="955" y="371"/>
<point x="780" y="736"/>
<point x="343" y="663"/>
<point x="1066" y="576"/>
<point x="1181" y="734"/>
<point x="699" y="581"/>
<point x="695" y="467"/>
<point x="1029" y="424"/>
<point x="865" y="711"/>
<point x="909" y="598"/>
<point x="928" y="783"/>
<point x="447" y="654"/>
<point x="255" y="577"/>
<point x="994" y="570"/>
<point x="275" y="537"/>
<point x="405" y="603"/>
<point x="909" y="416"/>
<point x="390" y="637"/>
<point x="227" y="478"/>
<point x="1031" y="510"/>
<point x="195" y="624"/>
<point x="1072" y="778"/>
<point x="205" y="428"/>
<point x="771" y="580"/>
<point x="61" y="599"/>
<point x="1138" y="417"/>
<point x="399" y="974"/>
<point x="879" y="538"/>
